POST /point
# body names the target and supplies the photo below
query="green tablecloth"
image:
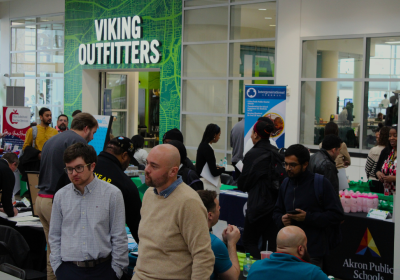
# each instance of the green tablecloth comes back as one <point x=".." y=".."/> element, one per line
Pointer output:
<point x="142" y="188"/>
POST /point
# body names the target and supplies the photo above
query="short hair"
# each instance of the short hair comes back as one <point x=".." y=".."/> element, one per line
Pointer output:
<point x="138" y="142"/>
<point x="85" y="151"/>
<point x="82" y="120"/>
<point x="383" y="139"/>
<point x="11" y="158"/>
<point x="208" y="198"/>
<point x="331" y="142"/>
<point x="76" y="112"/>
<point x="380" y="114"/>
<point x="299" y="151"/>
<point x="331" y="128"/>
<point x="210" y="132"/>
<point x="62" y="115"/>
<point x="43" y="110"/>
<point x="385" y="95"/>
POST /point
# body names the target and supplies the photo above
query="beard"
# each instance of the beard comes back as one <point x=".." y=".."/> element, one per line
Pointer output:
<point x="306" y="257"/>
<point x="156" y="183"/>
<point x="62" y="127"/>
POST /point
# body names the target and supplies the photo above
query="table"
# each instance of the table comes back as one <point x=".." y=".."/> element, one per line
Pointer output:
<point x="352" y="259"/>
<point x="5" y="276"/>
<point x="343" y="262"/>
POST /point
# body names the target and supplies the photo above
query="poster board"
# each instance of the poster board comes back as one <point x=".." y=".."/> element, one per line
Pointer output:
<point x="265" y="101"/>
<point x="15" y="123"/>
<point x="102" y="135"/>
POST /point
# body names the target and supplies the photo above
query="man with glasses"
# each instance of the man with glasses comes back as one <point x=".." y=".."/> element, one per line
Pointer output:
<point x="62" y="123"/>
<point x="298" y="205"/>
<point x="87" y="233"/>
<point x="52" y="166"/>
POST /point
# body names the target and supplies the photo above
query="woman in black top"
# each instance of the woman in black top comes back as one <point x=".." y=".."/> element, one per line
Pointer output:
<point x="256" y="180"/>
<point x="205" y="154"/>
<point x="387" y="164"/>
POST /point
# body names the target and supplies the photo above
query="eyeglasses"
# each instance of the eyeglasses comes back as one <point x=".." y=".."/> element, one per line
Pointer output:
<point x="78" y="169"/>
<point x="291" y="165"/>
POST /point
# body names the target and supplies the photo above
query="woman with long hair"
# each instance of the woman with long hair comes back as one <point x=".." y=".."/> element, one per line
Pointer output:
<point x="373" y="157"/>
<point x="140" y="153"/>
<point x="386" y="167"/>
<point x="205" y="154"/>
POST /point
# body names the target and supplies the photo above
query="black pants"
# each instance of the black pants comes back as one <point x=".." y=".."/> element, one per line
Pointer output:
<point x="69" y="271"/>
<point x="263" y="227"/>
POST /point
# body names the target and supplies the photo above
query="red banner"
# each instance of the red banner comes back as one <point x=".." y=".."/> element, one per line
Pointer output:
<point x="16" y="122"/>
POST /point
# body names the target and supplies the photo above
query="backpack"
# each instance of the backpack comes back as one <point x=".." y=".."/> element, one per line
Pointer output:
<point x="190" y="178"/>
<point x="34" y="135"/>
<point x="333" y="232"/>
<point x="277" y="172"/>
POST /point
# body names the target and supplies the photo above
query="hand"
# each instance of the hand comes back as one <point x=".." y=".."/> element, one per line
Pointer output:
<point x="298" y="217"/>
<point x="232" y="235"/>
<point x="346" y="163"/>
<point x="15" y="211"/>
<point x="389" y="179"/>
<point x="225" y="233"/>
<point x="286" y="220"/>
<point x="380" y="176"/>
<point x="40" y="156"/>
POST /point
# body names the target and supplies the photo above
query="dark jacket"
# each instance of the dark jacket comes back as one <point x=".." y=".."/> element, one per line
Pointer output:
<point x="190" y="165"/>
<point x="109" y="169"/>
<point x="300" y="193"/>
<point x="262" y="196"/>
<point x="322" y="163"/>
<point x="7" y="180"/>
<point x="29" y="161"/>
<point x="205" y="154"/>
<point x="190" y="178"/>
<point x="384" y="156"/>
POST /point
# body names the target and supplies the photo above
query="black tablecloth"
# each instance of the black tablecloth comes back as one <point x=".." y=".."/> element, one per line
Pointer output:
<point x="357" y="257"/>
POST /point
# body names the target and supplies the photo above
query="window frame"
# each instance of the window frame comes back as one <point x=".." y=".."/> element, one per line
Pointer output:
<point x="363" y="79"/>
<point x="36" y="52"/>
<point x="227" y="151"/>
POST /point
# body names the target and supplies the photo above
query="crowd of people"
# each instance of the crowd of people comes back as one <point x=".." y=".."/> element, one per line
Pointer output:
<point x="86" y="199"/>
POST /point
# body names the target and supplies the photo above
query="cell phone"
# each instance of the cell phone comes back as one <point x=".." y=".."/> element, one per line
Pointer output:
<point x="293" y="212"/>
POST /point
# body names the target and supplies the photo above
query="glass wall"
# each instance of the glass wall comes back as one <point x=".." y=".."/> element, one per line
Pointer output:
<point x="37" y="62"/>
<point x="226" y="45"/>
<point x="352" y="82"/>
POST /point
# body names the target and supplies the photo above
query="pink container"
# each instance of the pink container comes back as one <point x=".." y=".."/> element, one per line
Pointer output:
<point x="360" y="199"/>
<point x="353" y="203"/>
<point x="347" y="204"/>
<point x="365" y="203"/>
<point x="342" y="198"/>
<point x="375" y="201"/>
<point x="370" y="202"/>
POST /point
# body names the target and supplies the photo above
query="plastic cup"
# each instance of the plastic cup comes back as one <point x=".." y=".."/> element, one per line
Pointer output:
<point x="265" y="254"/>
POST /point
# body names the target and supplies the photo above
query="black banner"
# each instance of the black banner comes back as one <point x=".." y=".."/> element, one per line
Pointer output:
<point x="366" y="251"/>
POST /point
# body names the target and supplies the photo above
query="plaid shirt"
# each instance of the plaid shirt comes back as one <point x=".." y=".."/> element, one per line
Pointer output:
<point x="89" y="226"/>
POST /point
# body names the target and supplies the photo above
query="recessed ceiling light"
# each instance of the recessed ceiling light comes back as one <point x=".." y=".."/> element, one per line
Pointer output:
<point x="262" y="9"/>
<point x="393" y="42"/>
<point x="272" y="25"/>
<point x="268" y="18"/>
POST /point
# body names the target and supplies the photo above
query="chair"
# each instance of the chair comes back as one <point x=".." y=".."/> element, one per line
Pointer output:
<point x="32" y="183"/>
<point x="14" y="249"/>
<point x="12" y="270"/>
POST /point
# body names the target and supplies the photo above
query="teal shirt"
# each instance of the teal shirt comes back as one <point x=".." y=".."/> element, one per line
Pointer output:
<point x="285" y="267"/>
<point x="222" y="261"/>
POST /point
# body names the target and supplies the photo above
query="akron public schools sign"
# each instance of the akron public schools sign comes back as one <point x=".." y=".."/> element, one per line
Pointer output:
<point x="117" y="51"/>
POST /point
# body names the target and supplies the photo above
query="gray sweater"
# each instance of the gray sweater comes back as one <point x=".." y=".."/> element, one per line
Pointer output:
<point x="52" y="163"/>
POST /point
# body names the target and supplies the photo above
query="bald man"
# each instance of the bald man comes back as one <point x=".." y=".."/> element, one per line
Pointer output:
<point x="174" y="238"/>
<point x="291" y="260"/>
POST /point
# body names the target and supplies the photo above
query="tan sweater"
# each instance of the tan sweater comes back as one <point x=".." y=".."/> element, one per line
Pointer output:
<point x="174" y="237"/>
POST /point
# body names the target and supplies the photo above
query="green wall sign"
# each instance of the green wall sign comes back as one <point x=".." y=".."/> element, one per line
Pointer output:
<point x="115" y="34"/>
